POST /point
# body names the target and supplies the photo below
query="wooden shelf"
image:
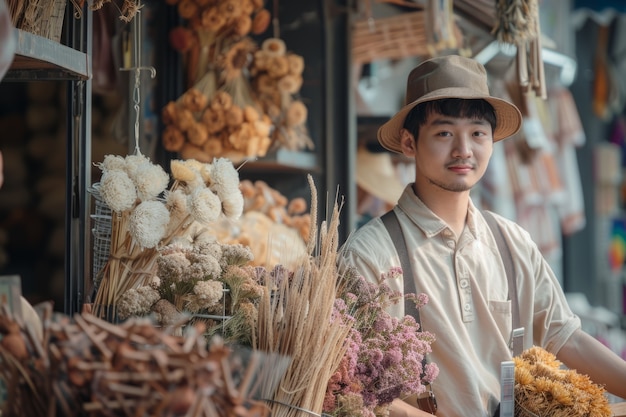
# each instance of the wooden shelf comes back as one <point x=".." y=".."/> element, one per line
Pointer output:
<point x="284" y="161"/>
<point x="39" y="58"/>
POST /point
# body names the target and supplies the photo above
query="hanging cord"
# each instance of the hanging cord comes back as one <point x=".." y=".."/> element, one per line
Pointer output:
<point x="137" y="68"/>
<point x="275" y="21"/>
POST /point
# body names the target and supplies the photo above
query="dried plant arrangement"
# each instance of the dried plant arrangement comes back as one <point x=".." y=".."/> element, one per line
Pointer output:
<point x="85" y="366"/>
<point x="544" y="388"/>
<point x="147" y="216"/>
<point x="295" y="319"/>
<point x="242" y="100"/>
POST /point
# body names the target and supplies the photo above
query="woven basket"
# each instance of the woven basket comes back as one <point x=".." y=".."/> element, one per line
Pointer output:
<point x="42" y="17"/>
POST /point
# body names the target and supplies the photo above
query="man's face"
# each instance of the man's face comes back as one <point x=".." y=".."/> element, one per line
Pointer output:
<point x="451" y="154"/>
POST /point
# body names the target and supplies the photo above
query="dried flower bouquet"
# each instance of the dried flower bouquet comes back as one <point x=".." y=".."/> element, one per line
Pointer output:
<point x="543" y="388"/>
<point x="147" y="216"/>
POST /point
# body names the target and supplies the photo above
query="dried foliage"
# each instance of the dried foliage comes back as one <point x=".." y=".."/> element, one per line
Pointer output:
<point x="84" y="366"/>
<point x="544" y="388"/>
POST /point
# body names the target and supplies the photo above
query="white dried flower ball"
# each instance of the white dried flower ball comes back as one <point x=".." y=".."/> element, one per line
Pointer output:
<point x="232" y="204"/>
<point x="224" y="178"/>
<point x="150" y="180"/>
<point x="133" y="162"/>
<point x="205" y="205"/>
<point x="148" y="223"/>
<point x="113" y="163"/>
<point x="117" y="190"/>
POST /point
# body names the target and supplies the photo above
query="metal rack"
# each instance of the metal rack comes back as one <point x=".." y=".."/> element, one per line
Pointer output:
<point x="41" y="59"/>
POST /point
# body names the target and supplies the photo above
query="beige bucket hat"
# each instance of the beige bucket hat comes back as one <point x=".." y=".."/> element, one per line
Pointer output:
<point x="449" y="76"/>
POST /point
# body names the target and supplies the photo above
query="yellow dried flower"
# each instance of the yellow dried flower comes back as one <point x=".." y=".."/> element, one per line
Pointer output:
<point x="274" y="47"/>
<point x="182" y="171"/>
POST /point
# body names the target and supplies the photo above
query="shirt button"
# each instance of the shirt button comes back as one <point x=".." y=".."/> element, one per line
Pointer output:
<point x="467" y="307"/>
<point x="450" y="243"/>
<point x="464" y="283"/>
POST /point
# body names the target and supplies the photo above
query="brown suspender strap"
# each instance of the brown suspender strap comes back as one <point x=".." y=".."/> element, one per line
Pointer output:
<point x="390" y="220"/>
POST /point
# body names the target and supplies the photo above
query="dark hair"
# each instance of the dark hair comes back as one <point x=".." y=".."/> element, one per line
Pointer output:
<point x="452" y="107"/>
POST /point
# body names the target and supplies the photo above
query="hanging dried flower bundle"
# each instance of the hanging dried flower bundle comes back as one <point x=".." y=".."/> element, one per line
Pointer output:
<point x="544" y="388"/>
<point x="277" y="79"/>
<point x="219" y="54"/>
<point x="146" y="216"/>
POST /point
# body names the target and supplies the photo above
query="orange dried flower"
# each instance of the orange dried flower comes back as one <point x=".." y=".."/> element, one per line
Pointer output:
<point x="184" y="119"/>
<point x="187" y="8"/>
<point x="212" y="20"/>
<point x="222" y="100"/>
<point x="289" y="84"/>
<point x="213" y="147"/>
<point x="198" y="134"/>
<point x="296" y="64"/>
<point x="296" y="113"/>
<point x="278" y="66"/>
<point x="173" y="139"/>
<point x="169" y="113"/>
<point x="261" y="21"/>
<point x="243" y="25"/>
<point x="250" y="114"/>
<point x="194" y="100"/>
<point x="234" y="116"/>
<point x="230" y="9"/>
<point x="214" y="120"/>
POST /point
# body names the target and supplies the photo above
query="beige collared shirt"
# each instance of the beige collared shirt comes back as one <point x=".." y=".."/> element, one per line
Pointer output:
<point x="468" y="309"/>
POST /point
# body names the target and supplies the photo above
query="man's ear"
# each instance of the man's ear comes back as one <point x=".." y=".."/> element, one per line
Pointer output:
<point x="407" y="142"/>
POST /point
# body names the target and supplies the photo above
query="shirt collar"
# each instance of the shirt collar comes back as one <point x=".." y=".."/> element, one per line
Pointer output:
<point x="425" y="219"/>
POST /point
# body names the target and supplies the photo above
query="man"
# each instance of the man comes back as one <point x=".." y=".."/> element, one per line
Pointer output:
<point x="448" y="127"/>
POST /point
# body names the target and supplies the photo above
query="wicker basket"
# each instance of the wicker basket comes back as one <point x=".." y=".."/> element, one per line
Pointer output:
<point x="41" y="17"/>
